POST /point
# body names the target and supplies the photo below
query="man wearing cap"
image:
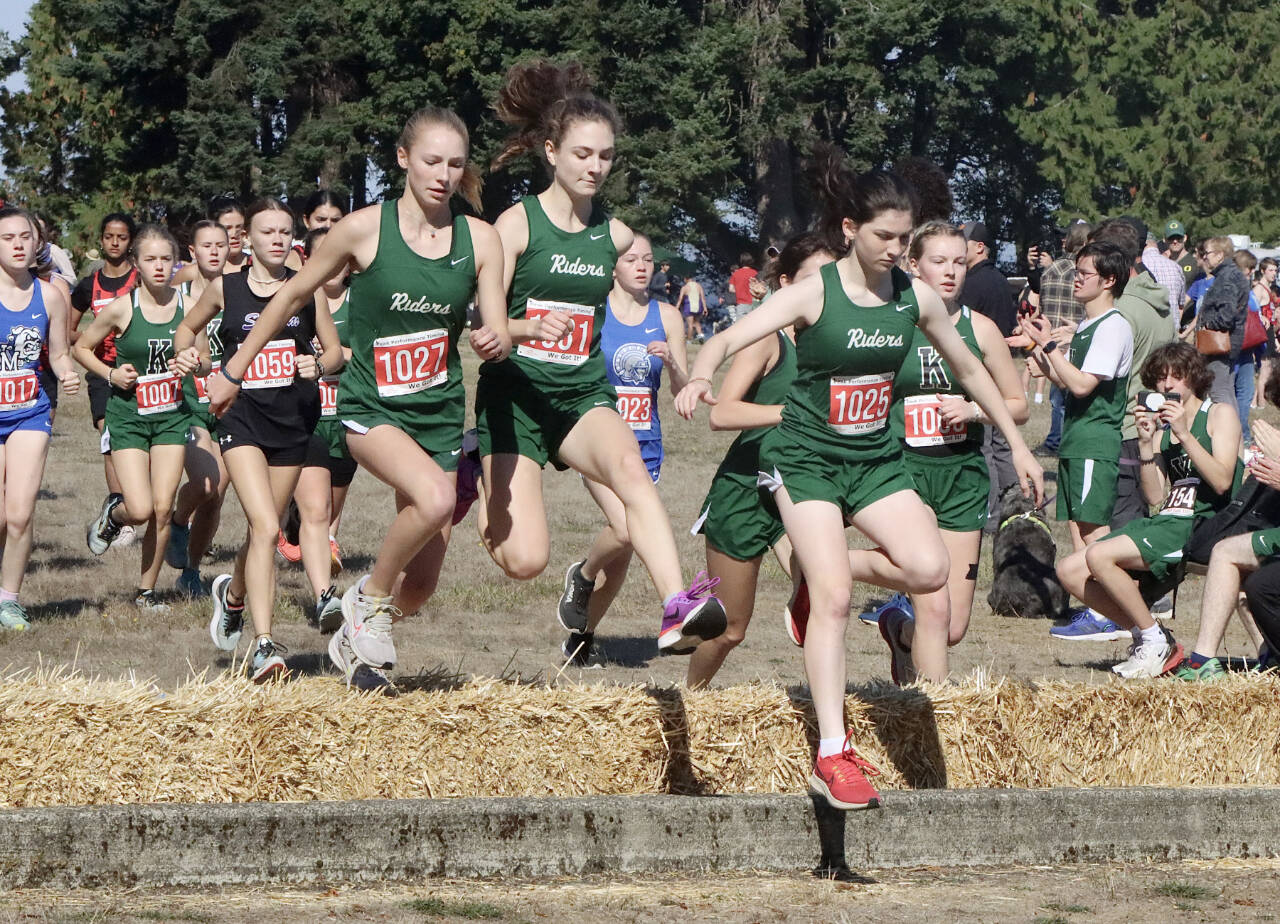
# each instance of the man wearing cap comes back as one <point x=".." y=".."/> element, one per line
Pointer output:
<point x="1175" y="235"/>
<point x="986" y="291"/>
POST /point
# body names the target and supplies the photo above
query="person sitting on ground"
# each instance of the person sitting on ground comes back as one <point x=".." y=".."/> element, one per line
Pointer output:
<point x="1189" y="447"/>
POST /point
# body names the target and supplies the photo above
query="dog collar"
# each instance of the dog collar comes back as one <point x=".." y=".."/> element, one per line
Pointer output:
<point x="1029" y="515"/>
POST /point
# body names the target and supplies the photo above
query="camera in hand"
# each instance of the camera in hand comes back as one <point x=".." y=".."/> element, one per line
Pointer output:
<point x="1154" y="400"/>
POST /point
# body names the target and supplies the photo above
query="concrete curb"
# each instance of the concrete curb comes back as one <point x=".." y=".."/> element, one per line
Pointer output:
<point x="198" y="845"/>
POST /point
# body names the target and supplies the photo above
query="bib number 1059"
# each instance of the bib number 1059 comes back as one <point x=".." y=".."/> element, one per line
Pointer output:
<point x="570" y="350"/>
<point x="860" y="403"/>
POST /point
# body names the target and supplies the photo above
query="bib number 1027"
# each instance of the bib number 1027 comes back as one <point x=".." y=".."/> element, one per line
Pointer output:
<point x="406" y="364"/>
<point x="860" y="403"/>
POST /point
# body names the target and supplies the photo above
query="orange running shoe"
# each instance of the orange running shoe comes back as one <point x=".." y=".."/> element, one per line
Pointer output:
<point x="290" y="553"/>
<point x="841" y="779"/>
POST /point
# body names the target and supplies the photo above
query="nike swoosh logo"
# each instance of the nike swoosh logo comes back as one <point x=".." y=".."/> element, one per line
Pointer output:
<point x="652" y="330"/>
<point x="901" y="307"/>
<point x="457" y="261"/>
<point x="596" y="237"/>
<point x="455" y="452"/>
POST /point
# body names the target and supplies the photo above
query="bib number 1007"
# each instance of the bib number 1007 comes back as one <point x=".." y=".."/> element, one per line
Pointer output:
<point x="570" y="350"/>
<point x="860" y="403"/>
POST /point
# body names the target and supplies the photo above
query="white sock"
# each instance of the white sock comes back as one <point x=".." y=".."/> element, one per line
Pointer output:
<point x="829" y="746"/>
<point x="1153" y="636"/>
<point x="1039" y="398"/>
<point x="667" y="602"/>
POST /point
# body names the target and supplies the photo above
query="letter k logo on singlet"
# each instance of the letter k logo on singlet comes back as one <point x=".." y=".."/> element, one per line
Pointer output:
<point x="156" y="360"/>
<point x="933" y="375"/>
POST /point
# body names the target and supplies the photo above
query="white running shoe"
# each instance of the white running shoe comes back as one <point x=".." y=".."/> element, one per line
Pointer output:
<point x="128" y="536"/>
<point x="357" y="674"/>
<point x="1150" y="660"/>
<point x="226" y="624"/>
<point x="368" y="622"/>
<point x="104" y="532"/>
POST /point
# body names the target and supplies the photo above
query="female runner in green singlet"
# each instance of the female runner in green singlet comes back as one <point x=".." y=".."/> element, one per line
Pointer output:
<point x="147" y="414"/>
<point x="832" y="460"/>
<point x="550" y="400"/>
<point x="941" y="431"/>
<point x="198" y="508"/>
<point x="415" y="267"/>
<point x="738" y="527"/>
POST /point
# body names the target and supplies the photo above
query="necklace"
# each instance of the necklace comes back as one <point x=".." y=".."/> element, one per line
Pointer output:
<point x="270" y="280"/>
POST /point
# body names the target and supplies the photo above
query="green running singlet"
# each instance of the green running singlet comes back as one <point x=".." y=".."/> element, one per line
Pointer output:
<point x="567" y="271"/>
<point x="406" y="314"/>
<point x="925" y="377"/>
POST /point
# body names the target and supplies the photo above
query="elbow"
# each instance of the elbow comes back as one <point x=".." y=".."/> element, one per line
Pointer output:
<point x="1018" y="410"/>
<point x="1080" y="390"/>
<point x="717" y="421"/>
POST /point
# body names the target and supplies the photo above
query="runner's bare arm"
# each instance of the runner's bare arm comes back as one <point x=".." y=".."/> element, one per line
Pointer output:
<point x="492" y="340"/>
<point x="750" y="364"/>
<point x="57" y="307"/>
<point x="112" y="319"/>
<point x="677" y="355"/>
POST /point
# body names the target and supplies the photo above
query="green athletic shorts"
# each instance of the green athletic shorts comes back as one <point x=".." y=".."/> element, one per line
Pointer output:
<point x="513" y="417"/>
<point x="1086" y="489"/>
<point x="130" y="430"/>
<point x="850" y="485"/>
<point x="954" y="487"/>
<point x="331" y="431"/>
<point x="1266" y="543"/>
<point x="443" y="444"/>
<point x="735" y="518"/>
<point x="1160" y="541"/>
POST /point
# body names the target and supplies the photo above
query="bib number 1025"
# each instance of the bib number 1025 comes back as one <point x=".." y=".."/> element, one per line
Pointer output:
<point x="860" y="403"/>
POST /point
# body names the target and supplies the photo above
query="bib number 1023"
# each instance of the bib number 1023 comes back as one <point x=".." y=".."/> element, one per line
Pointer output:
<point x="570" y="350"/>
<point x="860" y="403"/>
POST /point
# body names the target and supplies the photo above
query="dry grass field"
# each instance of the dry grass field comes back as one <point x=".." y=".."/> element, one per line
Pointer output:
<point x="1112" y="893"/>
<point x="480" y="623"/>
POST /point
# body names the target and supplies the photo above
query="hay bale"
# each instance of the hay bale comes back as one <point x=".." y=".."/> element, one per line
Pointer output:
<point x="69" y="740"/>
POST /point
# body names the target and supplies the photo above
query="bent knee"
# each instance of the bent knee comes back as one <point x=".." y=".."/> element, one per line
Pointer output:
<point x="137" y="510"/>
<point x="927" y="573"/>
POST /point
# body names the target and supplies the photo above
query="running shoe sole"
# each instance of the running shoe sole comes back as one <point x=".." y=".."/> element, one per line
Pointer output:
<point x="704" y="622"/>
<point x="819" y="788"/>
<point x="331" y="619"/>
<point x="349" y="673"/>
<point x="274" y="669"/>
<point x="1096" y="637"/>
<point x="889" y="629"/>
<point x="219" y="611"/>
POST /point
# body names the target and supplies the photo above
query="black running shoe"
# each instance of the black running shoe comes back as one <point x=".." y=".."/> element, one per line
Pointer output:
<point x="572" y="609"/>
<point x="577" y="648"/>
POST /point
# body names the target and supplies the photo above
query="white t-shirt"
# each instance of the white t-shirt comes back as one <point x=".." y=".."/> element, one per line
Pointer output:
<point x="1111" y="350"/>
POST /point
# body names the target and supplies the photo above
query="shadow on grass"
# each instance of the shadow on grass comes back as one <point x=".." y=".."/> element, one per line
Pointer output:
<point x="60" y="609"/>
<point x="627" y="651"/>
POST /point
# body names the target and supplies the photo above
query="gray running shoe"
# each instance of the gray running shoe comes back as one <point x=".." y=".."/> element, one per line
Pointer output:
<point x="368" y="621"/>
<point x="327" y="616"/>
<point x="266" y="663"/>
<point x="13" y="617"/>
<point x="357" y="674"/>
<point x="103" y="531"/>
<point x="146" y="600"/>
<point x="227" y="623"/>
<point x="572" y="609"/>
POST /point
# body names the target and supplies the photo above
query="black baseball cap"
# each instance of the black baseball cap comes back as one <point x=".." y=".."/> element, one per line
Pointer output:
<point x="977" y="231"/>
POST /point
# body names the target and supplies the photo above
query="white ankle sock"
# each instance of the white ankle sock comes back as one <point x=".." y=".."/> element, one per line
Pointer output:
<point x="1153" y="636"/>
<point x="829" y="746"/>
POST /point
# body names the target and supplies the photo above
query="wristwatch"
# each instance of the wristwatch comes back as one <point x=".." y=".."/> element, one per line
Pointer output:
<point x="1050" y="346"/>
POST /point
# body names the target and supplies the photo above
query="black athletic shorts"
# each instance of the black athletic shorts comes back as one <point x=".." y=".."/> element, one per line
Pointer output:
<point x="231" y="437"/>
<point x="49" y="385"/>
<point x="342" y="471"/>
<point x="99" y="392"/>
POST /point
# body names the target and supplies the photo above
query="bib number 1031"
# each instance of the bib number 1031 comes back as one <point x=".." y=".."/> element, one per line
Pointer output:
<point x="860" y="403"/>
<point x="570" y="350"/>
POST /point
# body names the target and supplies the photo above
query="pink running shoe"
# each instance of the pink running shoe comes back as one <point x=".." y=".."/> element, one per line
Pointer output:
<point x="692" y="617"/>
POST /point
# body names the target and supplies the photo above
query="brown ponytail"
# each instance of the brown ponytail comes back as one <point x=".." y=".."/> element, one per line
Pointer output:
<point x="540" y="100"/>
<point x="859" y="198"/>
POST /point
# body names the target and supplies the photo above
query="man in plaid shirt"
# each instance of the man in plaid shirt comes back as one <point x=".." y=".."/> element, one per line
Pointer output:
<point x="1168" y="274"/>
<point x="1060" y="308"/>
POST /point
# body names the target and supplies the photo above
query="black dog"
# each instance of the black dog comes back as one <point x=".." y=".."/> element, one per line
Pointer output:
<point x="1024" y="583"/>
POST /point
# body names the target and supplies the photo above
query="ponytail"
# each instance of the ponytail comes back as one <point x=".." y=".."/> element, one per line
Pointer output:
<point x="540" y="101"/>
<point x="859" y="198"/>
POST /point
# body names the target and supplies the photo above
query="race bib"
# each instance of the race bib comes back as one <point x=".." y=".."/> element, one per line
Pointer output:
<point x="18" y="390"/>
<point x="202" y="381"/>
<point x="635" y="404"/>
<point x="158" y="393"/>
<point x="924" y="426"/>
<point x="329" y="396"/>
<point x="409" y="363"/>
<point x="1181" y="501"/>
<point x="274" y="367"/>
<point x="570" y="350"/>
<point x="860" y="403"/>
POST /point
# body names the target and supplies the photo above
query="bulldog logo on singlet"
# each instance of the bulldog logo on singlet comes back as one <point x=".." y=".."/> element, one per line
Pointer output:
<point x="563" y="266"/>
<point x="158" y="355"/>
<point x="859" y="338"/>
<point x="20" y="348"/>
<point x="933" y="374"/>
<point x="631" y="363"/>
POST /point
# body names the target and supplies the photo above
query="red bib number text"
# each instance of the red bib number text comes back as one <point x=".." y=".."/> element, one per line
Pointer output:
<point x="635" y="404"/>
<point x="570" y="350"/>
<point x="860" y="403"/>
<point x="409" y="363"/>
<point x="18" y="390"/>
<point x="202" y="382"/>
<point x="329" y="396"/>
<point x="924" y="426"/>
<point x="1181" y="501"/>
<point x="158" y="393"/>
<point x="273" y="367"/>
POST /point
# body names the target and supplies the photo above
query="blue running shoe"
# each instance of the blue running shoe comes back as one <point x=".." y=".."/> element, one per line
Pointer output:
<point x="175" y="551"/>
<point x="1088" y="626"/>
<point x="898" y="601"/>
